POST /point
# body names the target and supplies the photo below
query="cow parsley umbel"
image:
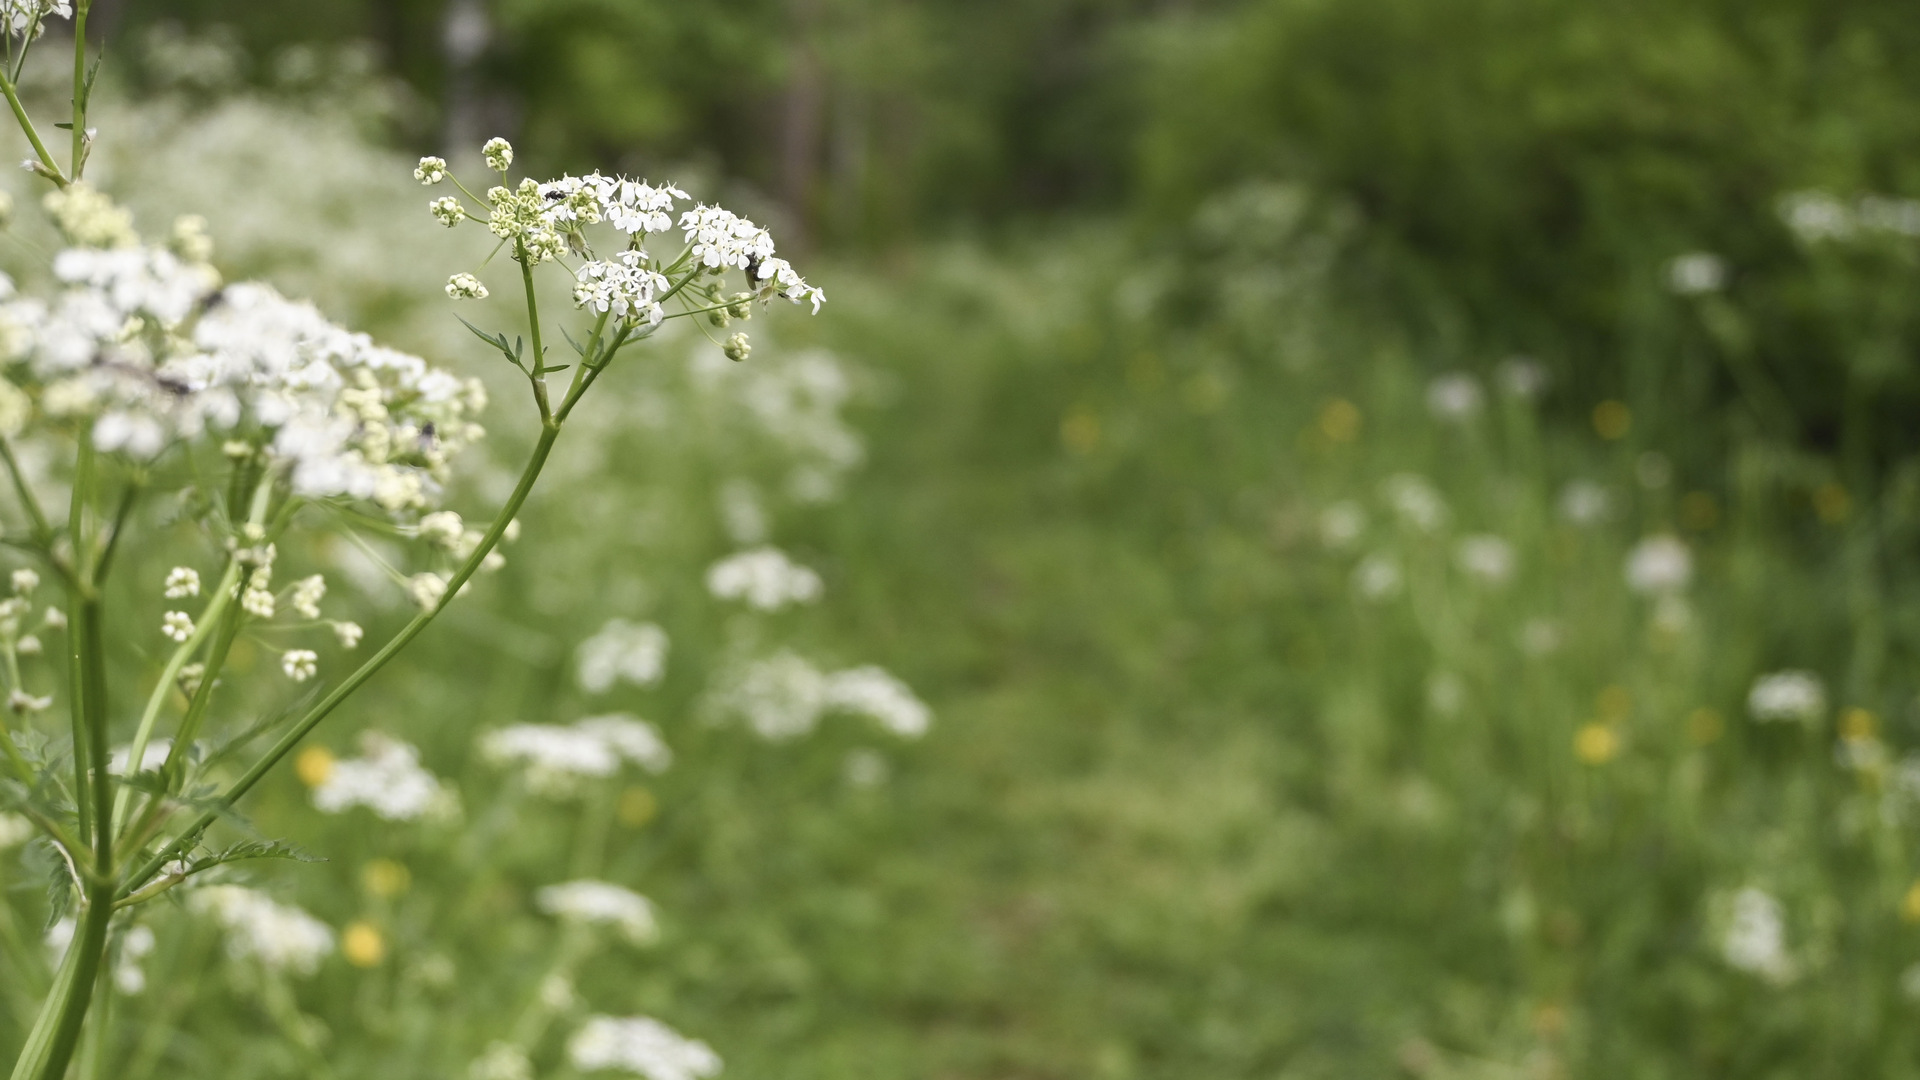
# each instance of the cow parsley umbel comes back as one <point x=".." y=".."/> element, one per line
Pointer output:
<point x="140" y="386"/>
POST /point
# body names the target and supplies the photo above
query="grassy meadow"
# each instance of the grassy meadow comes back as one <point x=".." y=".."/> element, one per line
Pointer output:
<point x="1318" y="691"/>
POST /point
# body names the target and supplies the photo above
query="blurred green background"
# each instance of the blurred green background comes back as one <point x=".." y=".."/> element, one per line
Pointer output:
<point x="1258" y="408"/>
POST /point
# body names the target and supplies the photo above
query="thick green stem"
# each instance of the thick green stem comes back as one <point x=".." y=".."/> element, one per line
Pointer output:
<point x="181" y="843"/>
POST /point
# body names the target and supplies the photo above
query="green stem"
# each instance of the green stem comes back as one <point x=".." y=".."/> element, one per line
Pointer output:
<point x="80" y="89"/>
<point x="26" y="125"/>
<point x="537" y="371"/>
<point x="76" y="593"/>
<point x="42" y="531"/>
<point x="537" y="461"/>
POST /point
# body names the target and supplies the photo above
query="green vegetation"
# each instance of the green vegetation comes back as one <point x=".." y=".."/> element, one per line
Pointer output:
<point x="1321" y="688"/>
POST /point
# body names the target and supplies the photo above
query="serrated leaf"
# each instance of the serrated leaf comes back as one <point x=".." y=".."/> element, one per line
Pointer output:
<point x="248" y="850"/>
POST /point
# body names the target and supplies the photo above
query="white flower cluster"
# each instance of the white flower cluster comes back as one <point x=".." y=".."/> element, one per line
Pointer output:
<point x="1788" y="696"/>
<point x="149" y="348"/>
<point x="624" y="286"/>
<point x="1487" y="558"/>
<point x="1415" y="501"/>
<point x="765" y="578"/>
<point x="784" y="696"/>
<point x="27" y="17"/>
<point x="1756" y="937"/>
<point x="602" y="903"/>
<point x="279" y="936"/>
<point x="387" y="779"/>
<point x="621" y="652"/>
<point x="560" y="757"/>
<point x="1455" y="397"/>
<point x="1816" y="216"/>
<point x="643" y="1046"/>
<point x="1659" y="565"/>
<point x="1696" y="273"/>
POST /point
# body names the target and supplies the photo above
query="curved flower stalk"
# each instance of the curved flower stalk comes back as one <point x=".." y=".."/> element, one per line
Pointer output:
<point x="140" y="379"/>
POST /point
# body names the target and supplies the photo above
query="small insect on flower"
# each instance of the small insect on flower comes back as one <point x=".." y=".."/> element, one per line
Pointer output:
<point x="177" y="625"/>
<point x="431" y="170"/>
<point x="25" y="581"/>
<point x="300" y="664"/>
<point x="349" y="634"/>
<point x="182" y="582"/>
<point x="466" y="287"/>
<point x="448" y="211"/>
<point x="499" y="154"/>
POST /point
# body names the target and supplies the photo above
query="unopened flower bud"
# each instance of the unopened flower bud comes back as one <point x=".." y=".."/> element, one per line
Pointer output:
<point x="737" y="348"/>
<point x="499" y="154"/>
<point x="432" y="170"/>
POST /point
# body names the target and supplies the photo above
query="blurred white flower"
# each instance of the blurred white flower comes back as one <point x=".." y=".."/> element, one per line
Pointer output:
<point x="1540" y="637"/>
<point x="1797" y="696"/>
<point x="1455" y="397"/>
<point x="182" y="581"/>
<point x="765" y="578"/>
<point x="280" y="936"/>
<point x="1696" y="273"/>
<point x="1583" y="502"/>
<point x="871" y="692"/>
<point x="559" y="759"/>
<point x="14" y="830"/>
<point x="643" y="1046"/>
<point x="1377" y="577"/>
<point x="1658" y="565"/>
<point x="865" y="768"/>
<point x="1342" y="523"/>
<point x="1813" y="216"/>
<point x="1486" y="557"/>
<point x="300" y="664"/>
<point x="387" y="779"/>
<point x="154" y="756"/>
<point x="1522" y="377"/>
<point x="1756" y="936"/>
<point x="621" y="652"/>
<point x="128" y="976"/>
<point x="783" y="696"/>
<point x="601" y="903"/>
<point x="1416" y="501"/>
<point x="502" y="1061"/>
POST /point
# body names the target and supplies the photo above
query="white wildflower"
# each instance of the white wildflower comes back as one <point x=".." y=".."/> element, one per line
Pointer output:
<point x="1377" y="577"/>
<point x="1583" y="502"/>
<point x="1416" y="501"/>
<point x="300" y="664"/>
<point x="1659" y="565"/>
<point x="623" y="286"/>
<point x="643" y="1046"/>
<point x="871" y="692"/>
<point x="1755" y="940"/>
<point x="1797" y="696"/>
<point x="499" y="154"/>
<point x="26" y="17"/>
<point x="177" y="625"/>
<point x="765" y="578"/>
<point x="135" y="944"/>
<point x="559" y="758"/>
<point x="151" y="758"/>
<point x="349" y="634"/>
<point x="1342" y="523"/>
<point x="431" y="170"/>
<point x="182" y="582"/>
<point x="28" y="645"/>
<point x="25" y="581"/>
<point x="1522" y="377"/>
<point x="1814" y="216"/>
<point x="1455" y="397"/>
<point x="621" y="652"/>
<point x="427" y="590"/>
<point x="1486" y="557"/>
<point x="24" y="703"/>
<point x="307" y="594"/>
<point x="464" y="286"/>
<point x="1696" y="273"/>
<point x="448" y="211"/>
<point x="388" y="779"/>
<point x="257" y="602"/>
<point x="602" y="903"/>
<point x="721" y="238"/>
<point x="502" y="1061"/>
<point x="442" y="529"/>
<point x="279" y="936"/>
